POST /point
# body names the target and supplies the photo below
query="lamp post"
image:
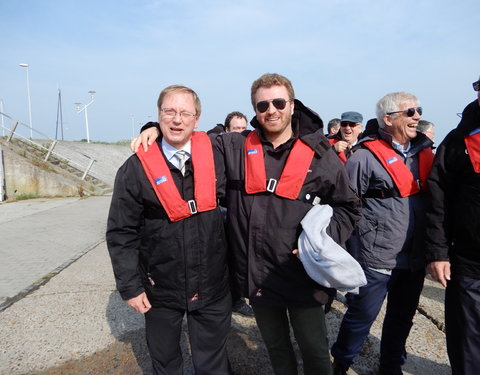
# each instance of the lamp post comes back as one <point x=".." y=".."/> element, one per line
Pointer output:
<point x="84" y="108"/>
<point x="3" y="120"/>
<point x="133" y="126"/>
<point x="29" y="100"/>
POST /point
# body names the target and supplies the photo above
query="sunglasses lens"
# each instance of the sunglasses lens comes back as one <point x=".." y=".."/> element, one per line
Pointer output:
<point x="411" y="111"/>
<point x="279" y="103"/>
<point x="345" y="124"/>
<point x="262" y="106"/>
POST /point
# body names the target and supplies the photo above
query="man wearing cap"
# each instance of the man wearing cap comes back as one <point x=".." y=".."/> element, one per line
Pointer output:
<point x="389" y="169"/>
<point x="453" y="236"/>
<point x="347" y="137"/>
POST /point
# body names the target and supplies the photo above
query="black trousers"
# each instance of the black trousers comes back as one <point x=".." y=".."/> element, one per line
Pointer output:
<point x="462" y="324"/>
<point x="310" y="331"/>
<point x="208" y="330"/>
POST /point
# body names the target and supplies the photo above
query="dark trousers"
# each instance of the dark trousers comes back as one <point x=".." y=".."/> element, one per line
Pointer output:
<point x="403" y="288"/>
<point x="462" y="323"/>
<point x="208" y="330"/>
<point x="309" y="328"/>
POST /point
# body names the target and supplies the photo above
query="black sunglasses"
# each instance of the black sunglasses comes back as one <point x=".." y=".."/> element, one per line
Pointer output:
<point x="344" y="124"/>
<point x="410" y="112"/>
<point x="278" y="103"/>
<point x="476" y="85"/>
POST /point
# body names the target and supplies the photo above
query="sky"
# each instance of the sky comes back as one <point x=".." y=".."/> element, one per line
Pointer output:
<point x="341" y="55"/>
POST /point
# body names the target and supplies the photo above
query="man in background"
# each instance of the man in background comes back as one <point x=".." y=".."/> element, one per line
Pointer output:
<point x="427" y="128"/>
<point x="347" y="137"/>
<point x="333" y="127"/>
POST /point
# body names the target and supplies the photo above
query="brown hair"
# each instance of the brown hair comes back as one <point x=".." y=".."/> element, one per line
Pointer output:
<point x="269" y="80"/>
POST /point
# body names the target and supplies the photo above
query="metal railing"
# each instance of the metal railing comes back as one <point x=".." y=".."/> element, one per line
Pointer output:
<point x="15" y="130"/>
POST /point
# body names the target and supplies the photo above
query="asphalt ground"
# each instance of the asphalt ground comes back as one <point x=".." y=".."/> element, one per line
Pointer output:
<point x="61" y="313"/>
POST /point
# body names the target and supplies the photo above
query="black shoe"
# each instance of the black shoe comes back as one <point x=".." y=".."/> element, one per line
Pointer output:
<point x="339" y="369"/>
<point x="383" y="371"/>
<point x="241" y="307"/>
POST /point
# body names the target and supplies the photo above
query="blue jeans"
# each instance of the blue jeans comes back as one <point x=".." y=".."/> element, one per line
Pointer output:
<point x="403" y="288"/>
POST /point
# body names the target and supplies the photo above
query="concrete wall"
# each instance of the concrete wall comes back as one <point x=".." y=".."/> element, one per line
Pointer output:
<point x="23" y="176"/>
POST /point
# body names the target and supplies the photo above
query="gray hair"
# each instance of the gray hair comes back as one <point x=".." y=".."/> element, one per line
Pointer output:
<point x="424" y="126"/>
<point x="391" y="103"/>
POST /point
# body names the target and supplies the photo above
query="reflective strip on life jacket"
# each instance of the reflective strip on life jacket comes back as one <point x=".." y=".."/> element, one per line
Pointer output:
<point x="402" y="177"/>
<point x="204" y="178"/>
<point x="342" y="156"/>
<point x="293" y="174"/>
<point x="472" y="141"/>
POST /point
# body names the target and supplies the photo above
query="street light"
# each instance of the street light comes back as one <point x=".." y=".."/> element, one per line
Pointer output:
<point x="3" y="121"/>
<point x="133" y="126"/>
<point x="84" y="108"/>
<point x="29" y="101"/>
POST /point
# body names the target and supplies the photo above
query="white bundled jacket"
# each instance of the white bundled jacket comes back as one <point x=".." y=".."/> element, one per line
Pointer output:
<point x="325" y="261"/>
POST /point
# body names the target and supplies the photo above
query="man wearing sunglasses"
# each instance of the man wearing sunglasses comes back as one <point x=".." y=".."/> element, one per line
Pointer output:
<point x="347" y="137"/>
<point x="275" y="174"/>
<point x="453" y="236"/>
<point x="388" y="168"/>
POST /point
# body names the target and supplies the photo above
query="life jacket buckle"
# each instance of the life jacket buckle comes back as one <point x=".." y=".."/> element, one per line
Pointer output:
<point x="272" y="185"/>
<point x="193" y="206"/>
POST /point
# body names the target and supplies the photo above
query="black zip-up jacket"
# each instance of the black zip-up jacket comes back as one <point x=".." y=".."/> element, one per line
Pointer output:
<point x="186" y="260"/>
<point x="453" y="230"/>
<point x="263" y="228"/>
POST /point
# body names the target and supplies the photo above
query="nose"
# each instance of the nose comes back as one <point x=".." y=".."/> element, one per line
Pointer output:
<point x="271" y="108"/>
<point x="177" y="118"/>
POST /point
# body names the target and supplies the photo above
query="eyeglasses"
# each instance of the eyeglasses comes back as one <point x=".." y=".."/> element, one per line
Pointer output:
<point x="344" y="124"/>
<point x="278" y="103"/>
<point x="476" y="85"/>
<point x="410" y="112"/>
<point x="170" y="113"/>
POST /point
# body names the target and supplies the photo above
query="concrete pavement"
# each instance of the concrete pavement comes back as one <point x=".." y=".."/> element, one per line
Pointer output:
<point x="76" y="322"/>
<point x="40" y="237"/>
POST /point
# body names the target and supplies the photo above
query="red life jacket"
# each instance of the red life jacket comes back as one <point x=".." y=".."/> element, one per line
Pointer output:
<point x="472" y="141"/>
<point x="293" y="174"/>
<point x="204" y="178"/>
<point x="341" y="155"/>
<point x="402" y="177"/>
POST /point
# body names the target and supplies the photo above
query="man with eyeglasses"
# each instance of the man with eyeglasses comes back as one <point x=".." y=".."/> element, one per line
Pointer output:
<point x="275" y="175"/>
<point x="453" y="236"/>
<point x="388" y="168"/>
<point x="166" y="240"/>
<point x="347" y="137"/>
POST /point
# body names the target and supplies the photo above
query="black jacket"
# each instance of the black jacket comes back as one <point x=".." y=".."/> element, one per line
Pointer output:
<point x="186" y="259"/>
<point x="453" y="231"/>
<point x="263" y="228"/>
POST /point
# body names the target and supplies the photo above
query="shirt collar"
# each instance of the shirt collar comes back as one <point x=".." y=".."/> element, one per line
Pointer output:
<point x="169" y="151"/>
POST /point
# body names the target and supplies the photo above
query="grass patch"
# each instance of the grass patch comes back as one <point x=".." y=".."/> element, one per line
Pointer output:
<point x="25" y="196"/>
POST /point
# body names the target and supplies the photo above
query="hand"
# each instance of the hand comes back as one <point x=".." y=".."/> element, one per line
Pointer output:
<point x="440" y="271"/>
<point x="146" y="138"/>
<point x="295" y="252"/>
<point x="340" y="146"/>
<point x="140" y="303"/>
